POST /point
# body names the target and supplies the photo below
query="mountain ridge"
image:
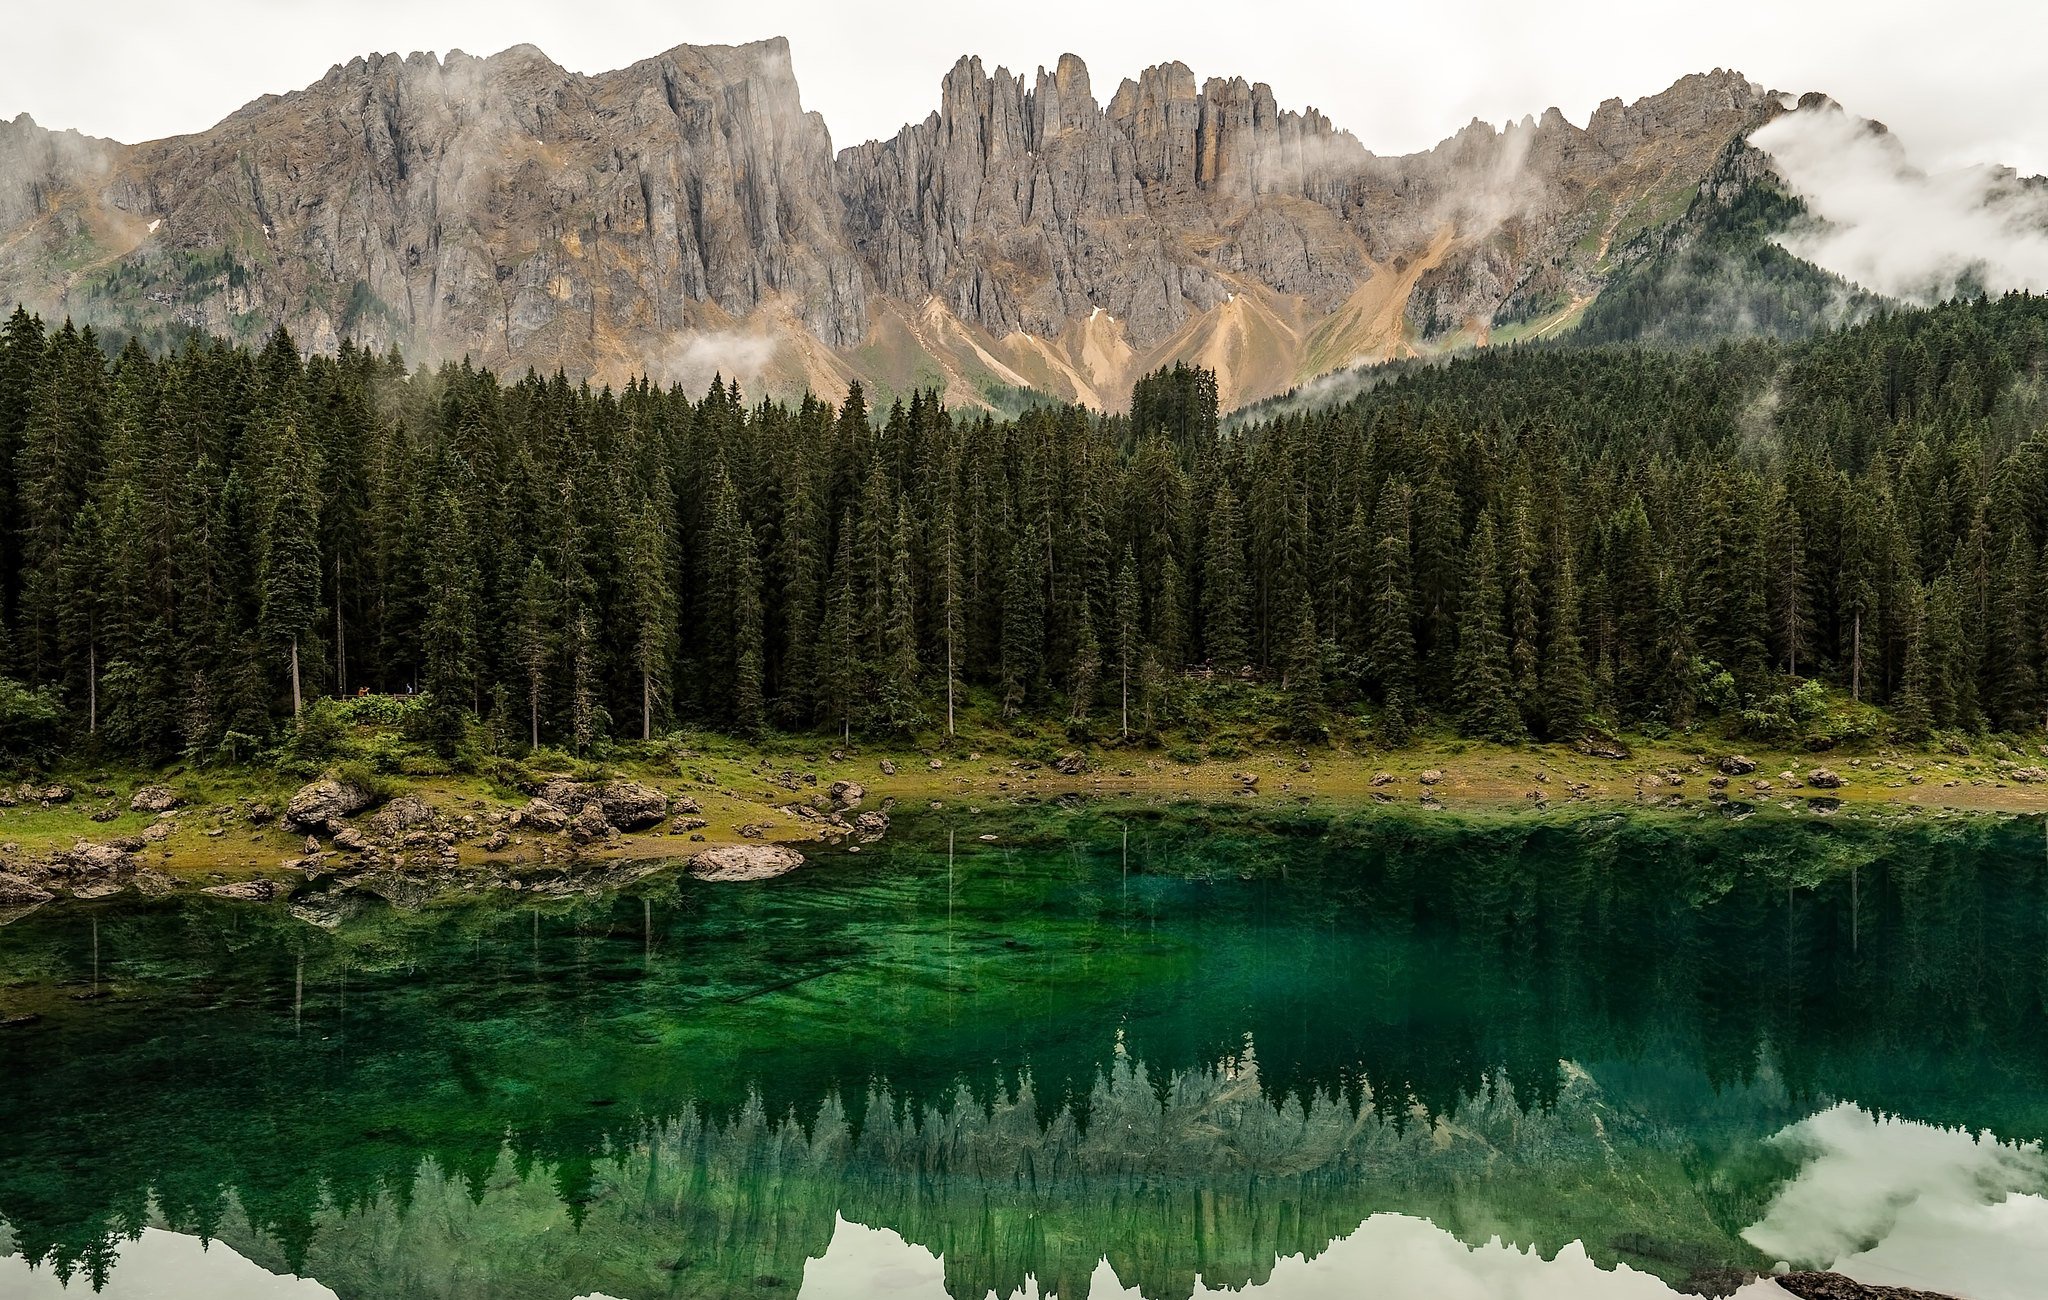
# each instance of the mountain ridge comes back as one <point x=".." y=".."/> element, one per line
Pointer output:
<point x="686" y="215"/>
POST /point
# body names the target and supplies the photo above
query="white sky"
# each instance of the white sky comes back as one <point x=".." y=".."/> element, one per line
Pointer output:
<point x="1960" y="80"/>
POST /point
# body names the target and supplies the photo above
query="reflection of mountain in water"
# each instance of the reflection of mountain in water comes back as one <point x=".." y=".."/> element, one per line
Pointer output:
<point x="1236" y="1049"/>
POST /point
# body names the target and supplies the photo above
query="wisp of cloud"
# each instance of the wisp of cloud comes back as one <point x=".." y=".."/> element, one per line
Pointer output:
<point x="1901" y="231"/>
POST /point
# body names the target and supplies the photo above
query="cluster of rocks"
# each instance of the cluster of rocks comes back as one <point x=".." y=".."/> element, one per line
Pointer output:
<point x="592" y="812"/>
<point x="835" y="810"/>
<point x="34" y="795"/>
<point x="87" y="869"/>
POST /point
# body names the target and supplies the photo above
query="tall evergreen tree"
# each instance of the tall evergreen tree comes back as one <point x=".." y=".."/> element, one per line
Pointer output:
<point x="1485" y="686"/>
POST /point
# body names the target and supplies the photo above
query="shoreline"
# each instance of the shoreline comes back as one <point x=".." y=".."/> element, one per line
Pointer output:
<point x="98" y="833"/>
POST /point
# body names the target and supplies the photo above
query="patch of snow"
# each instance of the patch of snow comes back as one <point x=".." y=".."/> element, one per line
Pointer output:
<point x="154" y="224"/>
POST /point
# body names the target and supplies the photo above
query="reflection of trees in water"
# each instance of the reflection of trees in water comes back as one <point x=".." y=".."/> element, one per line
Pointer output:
<point x="437" y="1085"/>
<point x="1198" y="1175"/>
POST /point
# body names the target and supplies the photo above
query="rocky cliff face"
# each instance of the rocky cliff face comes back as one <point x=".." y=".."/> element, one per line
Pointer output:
<point x="686" y="214"/>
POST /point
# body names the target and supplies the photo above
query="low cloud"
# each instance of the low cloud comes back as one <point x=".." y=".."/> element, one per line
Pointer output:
<point x="695" y="360"/>
<point x="1904" y="232"/>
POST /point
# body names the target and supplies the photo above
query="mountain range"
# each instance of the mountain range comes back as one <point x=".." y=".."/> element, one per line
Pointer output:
<point x="685" y="217"/>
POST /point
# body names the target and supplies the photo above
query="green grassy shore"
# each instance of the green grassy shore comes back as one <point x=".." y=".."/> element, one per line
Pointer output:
<point x="226" y="826"/>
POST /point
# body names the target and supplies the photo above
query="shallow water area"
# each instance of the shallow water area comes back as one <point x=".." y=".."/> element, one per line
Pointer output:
<point x="1112" y="1052"/>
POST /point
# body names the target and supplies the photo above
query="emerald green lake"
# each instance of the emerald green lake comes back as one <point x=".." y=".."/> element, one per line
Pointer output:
<point x="1109" y="1053"/>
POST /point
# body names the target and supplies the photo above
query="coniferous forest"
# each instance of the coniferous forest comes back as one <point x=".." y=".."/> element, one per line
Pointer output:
<point x="1517" y="543"/>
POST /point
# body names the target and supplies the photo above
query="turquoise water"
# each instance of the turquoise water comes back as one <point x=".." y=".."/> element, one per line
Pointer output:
<point x="1109" y="1053"/>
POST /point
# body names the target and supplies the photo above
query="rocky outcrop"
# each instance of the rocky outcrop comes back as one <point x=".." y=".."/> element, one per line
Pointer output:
<point x="153" y="799"/>
<point x="740" y="862"/>
<point x="320" y="804"/>
<point x="629" y="805"/>
<point x="403" y="814"/>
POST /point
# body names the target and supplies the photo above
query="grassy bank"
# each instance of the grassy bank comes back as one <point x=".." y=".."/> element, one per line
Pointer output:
<point x="220" y="832"/>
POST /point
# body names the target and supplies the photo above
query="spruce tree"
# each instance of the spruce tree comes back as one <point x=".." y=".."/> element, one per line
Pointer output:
<point x="534" y="650"/>
<point x="1567" y="690"/>
<point x="1127" y="637"/>
<point x="1391" y="658"/>
<point x="1023" y="637"/>
<point x="1484" y="685"/>
<point x="289" y="558"/>
<point x="450" y="637"/>
<point x="900" y="669"/>
<point x="1304" y="679"/>
<point x="1223" y="586"/>
<point x="651" y="609"/>
<point x="839" y="663"/>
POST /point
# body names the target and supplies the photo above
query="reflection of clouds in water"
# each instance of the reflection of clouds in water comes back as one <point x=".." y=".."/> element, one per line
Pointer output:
<point x="161" y="1265"/>
<point x="1402" y="1258"/>
<point x="1907" y="1204"/>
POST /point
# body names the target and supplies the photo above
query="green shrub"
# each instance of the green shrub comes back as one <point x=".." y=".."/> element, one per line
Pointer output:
<point x="28" y="722"/>
<point x="367" y="779"/>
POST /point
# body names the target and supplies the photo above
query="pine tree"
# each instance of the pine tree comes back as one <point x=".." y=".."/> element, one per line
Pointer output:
<point x="1525" y="633"/>
<point x="2010" y="694"/>
<point x="734" y="612"/>
<point x="1023" y="637"/>
<point x="1791" y="604"/>
<point x="449" y="637"/>
<point x="1914" y="711"/>
<point x="949" y="603"/>
<point x="900" y="667"/>
<point x="651" y="604"/>
<point x="586" y="715"/>
<point x="1567" y="691"/>
<point x="1223" y="586"/>
<point x="1084" y="673"/>
<point x="538" y="608"/>
<point x="1304" y="679"/>
<point x="1127" y="637"/>
<point x="1391" y="657"/>
<point x="1485" y="688"/>
<point x="289" y="556"/>
<point x="839" y="665"/>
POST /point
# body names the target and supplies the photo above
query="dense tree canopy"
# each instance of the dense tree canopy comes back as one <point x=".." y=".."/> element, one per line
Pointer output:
<point x="1513" y="542"/>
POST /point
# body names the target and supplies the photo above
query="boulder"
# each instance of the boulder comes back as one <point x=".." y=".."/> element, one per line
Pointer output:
<point x="543" y="816"/>
<point x="1382" y="778"/>
<point x="888" y="768"/>
<point x="153" y="799"/>
<point x="847" y="794"/>
<point x="1738" y="765"/>
<point x="629" y="805"/>
<point x="871" y="826"/>
<point x="52" y="794"/>
<point x="1431" y="777"/>
<point x="590" y="825"/>
<point x="567" y="795"/>
<point x="87" y="858"/>
<point x="350" y="839"/>
<point x="405" y="813"/>
<point x="745" y="862"/>
<point x="1071" y="764"/>
<point x="2030" y="775"/>
<point x="321" y="802"/>
<point x="157" y="832"/>
<point x="684" y="806"/>
<point x="1821" y="778"/>
<point x="1598" y="744"/>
